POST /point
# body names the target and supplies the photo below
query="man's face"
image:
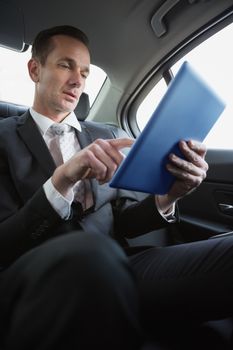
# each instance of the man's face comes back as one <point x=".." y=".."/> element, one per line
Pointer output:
<point x="61" y="80"/>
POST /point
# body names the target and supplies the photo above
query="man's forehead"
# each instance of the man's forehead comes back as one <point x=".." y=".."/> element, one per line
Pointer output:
<point x="70" y="48"/>
<point x="58" y="38"/>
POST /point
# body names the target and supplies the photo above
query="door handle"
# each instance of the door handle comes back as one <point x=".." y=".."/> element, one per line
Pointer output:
<point x="226" y="208"/>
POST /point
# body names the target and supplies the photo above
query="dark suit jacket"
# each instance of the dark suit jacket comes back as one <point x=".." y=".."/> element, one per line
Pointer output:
<point x="27" y="218"/>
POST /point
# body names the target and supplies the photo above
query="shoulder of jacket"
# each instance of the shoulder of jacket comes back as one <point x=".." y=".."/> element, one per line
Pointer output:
<point x="108" y="130"/>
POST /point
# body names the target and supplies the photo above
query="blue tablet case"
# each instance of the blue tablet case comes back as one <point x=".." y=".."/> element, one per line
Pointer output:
<point x="188" y="110"/>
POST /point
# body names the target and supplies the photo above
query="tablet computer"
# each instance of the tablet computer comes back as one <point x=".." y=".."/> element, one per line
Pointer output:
<point x="188" y="110"/>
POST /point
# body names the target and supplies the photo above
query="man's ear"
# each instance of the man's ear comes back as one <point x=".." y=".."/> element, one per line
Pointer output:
<point x="34" y="69"/>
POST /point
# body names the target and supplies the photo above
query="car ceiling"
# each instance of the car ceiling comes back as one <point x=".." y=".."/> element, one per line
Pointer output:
<point x="122" y="39"/>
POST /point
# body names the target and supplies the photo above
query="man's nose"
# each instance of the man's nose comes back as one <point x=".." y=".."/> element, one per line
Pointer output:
<point x="77" y="78"/>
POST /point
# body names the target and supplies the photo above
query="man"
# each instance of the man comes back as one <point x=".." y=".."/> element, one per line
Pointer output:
<point x="66" y="283"/>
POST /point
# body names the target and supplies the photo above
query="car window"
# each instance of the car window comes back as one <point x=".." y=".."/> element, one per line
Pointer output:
<point x="213" y="60"/>
<point x="17" y="87"/>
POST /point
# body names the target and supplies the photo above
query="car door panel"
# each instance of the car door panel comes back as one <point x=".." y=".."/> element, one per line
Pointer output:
<point x="209" y="210"/>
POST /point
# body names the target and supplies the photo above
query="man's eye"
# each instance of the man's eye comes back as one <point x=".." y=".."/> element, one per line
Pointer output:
<point x="64" y="65"/>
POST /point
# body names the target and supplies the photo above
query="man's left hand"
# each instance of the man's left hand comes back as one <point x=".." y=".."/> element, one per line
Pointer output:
<point x="189" y="172"/>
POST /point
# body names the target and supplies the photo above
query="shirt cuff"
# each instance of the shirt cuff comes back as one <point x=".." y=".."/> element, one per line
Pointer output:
<point x="62" y="205"/>
<point x="169" y="216"/>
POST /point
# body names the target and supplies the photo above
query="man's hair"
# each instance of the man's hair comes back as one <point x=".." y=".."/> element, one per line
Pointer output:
<point x="43" y="44"/>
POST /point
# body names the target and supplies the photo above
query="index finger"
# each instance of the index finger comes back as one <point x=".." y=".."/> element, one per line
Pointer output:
<point x="121" y="142"/>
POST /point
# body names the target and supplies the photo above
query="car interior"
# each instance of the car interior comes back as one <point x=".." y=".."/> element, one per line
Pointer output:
<point x="137" y="43"/>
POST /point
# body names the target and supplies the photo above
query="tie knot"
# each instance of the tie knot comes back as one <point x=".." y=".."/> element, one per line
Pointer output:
<point x="59" y="129"/>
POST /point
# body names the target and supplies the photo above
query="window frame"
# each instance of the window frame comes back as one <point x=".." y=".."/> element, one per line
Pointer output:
<point x="163" y="70"/>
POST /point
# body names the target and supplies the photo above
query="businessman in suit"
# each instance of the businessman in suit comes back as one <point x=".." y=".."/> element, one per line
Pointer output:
<point x="65" y="282"/>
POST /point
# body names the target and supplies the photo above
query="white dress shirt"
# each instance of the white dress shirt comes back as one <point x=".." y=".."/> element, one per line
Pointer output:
<point x="62" y="204"/>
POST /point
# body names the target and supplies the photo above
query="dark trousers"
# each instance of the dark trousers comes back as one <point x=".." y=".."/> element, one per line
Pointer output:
<point x="182" y="288"/>
<point x="80" y="291"/>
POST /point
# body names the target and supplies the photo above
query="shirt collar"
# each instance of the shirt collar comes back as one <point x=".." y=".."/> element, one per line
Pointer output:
<point x="44" y="122"/>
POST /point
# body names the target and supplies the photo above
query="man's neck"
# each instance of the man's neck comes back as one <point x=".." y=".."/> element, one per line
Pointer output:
<point x="55" y="115"/>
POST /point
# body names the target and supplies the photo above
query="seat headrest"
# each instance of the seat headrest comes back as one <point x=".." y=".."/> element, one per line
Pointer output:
<point x="83" y="107"/>
<point x="8" y="109"/>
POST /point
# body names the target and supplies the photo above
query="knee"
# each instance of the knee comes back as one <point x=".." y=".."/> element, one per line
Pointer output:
<point x="78" y="248"/>
<point x="81" y="257"/>
<point x="83" y="278"/>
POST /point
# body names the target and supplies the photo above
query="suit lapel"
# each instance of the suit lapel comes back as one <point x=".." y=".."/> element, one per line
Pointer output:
<point x="31" y="136"/>
<point x="84" y="137"/>
<point x="102" y="193"/>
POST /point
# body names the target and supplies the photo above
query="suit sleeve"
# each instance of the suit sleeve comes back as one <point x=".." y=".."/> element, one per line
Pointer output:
<point x="27" y="227"/>
<point x="26" y="217"/>
<point x="135" y="217"/>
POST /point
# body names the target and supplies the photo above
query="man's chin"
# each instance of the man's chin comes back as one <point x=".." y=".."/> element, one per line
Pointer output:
<point x="68" y="107"/>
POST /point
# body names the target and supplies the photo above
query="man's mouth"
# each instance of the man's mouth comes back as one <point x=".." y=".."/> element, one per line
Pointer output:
<point x="71" y="95"/>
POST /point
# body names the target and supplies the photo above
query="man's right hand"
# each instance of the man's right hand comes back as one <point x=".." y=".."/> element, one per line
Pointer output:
<point x="99" y="160"/>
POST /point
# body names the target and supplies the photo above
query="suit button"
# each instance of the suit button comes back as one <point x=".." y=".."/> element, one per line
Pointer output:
<point x="35" y="235"/>
<point x="45" y="224"/>
<point x="38" y="233"/>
